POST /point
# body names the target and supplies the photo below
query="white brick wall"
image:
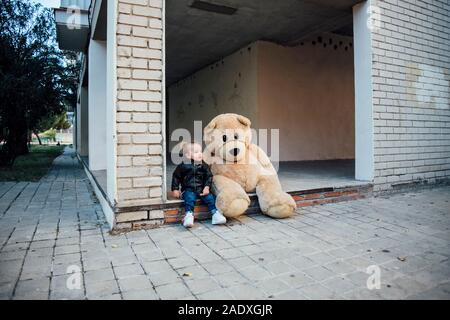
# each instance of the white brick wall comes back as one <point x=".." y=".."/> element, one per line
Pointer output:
<point x="139" y="105"/>
<point x="411" y="80"/>
<point x="411" y="83"/>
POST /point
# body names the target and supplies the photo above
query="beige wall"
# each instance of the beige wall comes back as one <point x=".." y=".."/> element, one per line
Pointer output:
<point x="305" y="91"/>
<point x="230" y="85"/>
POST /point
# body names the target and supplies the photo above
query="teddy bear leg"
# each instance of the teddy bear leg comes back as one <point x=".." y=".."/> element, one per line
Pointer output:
<point x="232" y="200"/>
<point x="273" y="201"/>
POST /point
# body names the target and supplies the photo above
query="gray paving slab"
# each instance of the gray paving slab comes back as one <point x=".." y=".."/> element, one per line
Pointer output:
<point x="49" y="227"/>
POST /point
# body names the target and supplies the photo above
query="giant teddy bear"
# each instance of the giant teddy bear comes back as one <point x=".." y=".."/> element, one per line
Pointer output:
<point x="239" y="167"/>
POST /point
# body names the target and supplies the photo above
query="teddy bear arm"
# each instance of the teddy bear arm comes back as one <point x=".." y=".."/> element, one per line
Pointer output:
<point x="262" y="157"/>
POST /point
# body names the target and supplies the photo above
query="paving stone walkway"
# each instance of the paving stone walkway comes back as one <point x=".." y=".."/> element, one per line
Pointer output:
<point x="54" y="244"/>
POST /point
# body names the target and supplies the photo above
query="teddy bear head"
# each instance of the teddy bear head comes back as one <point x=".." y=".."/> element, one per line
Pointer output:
<point x="227" y="137"/>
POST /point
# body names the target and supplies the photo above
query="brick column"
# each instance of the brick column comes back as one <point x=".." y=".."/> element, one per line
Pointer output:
<point x="139" y="107"/>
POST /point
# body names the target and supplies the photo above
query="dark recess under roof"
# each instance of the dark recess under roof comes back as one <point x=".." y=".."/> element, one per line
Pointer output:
<point x="198" y="35"/>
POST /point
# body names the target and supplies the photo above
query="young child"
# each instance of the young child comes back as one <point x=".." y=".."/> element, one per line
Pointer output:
<point x="195" y="179"/>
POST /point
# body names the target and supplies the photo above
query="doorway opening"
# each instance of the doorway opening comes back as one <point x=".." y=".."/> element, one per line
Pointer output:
<point x="287" y="66"/>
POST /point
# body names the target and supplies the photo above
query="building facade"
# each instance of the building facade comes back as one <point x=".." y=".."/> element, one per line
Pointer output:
<point x="400" y="77"/>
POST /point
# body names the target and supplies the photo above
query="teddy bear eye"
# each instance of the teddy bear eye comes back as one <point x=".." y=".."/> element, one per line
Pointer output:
<point x="224" y="138"/>
<point x="236" y="136"/>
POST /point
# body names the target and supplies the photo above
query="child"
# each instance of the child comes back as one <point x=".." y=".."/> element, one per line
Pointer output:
<point x="195" y="179"/>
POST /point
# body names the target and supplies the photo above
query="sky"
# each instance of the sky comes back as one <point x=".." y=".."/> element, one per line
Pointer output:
<point x="49" y="3"/>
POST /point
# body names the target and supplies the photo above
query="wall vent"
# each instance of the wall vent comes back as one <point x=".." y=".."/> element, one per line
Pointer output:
<point x="211" y="7"/>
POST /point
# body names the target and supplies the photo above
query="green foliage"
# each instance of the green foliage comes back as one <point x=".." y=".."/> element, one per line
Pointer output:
<point x="37" y="80"/>
<point x="61" y="122"/>
<point x="58" y="122"/>
<point x="32" y="166"/>
<point x="49" y="134"/>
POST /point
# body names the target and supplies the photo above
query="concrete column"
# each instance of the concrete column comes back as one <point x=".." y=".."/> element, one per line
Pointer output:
<point x="97" y="105"/>
<point x="111" y="98"/>
<point x="83" y="127"/>
<point x="364" y="138"/>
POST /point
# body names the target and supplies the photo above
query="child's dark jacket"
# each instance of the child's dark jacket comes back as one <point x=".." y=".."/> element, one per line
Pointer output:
<point x="192" y="176"/>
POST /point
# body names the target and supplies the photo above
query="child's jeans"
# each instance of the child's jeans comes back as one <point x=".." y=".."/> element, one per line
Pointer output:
<point x="190" y="197"/>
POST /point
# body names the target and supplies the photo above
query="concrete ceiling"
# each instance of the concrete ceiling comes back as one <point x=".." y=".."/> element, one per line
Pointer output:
<point x="69" y="36"/>
<point x="196" y="38"/>
<point x="99" y="20"/>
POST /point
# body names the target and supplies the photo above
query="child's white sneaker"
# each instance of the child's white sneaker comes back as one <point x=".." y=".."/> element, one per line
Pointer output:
<point x="188" y="221"/>
<point x="218" y="218"/>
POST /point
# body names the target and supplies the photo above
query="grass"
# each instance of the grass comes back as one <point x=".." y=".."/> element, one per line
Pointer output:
<point x="32" y="166"/>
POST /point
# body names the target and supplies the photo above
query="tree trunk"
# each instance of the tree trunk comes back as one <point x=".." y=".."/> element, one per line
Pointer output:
<point x="39" y="138"/>
<point x="16" y="142"/>
<point x="21" y="139"/>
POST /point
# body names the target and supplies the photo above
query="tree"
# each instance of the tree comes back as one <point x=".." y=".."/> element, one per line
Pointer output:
<point x="37" y="80"/>
<point x="50" y="124"/>
<point x="61" y="122"/>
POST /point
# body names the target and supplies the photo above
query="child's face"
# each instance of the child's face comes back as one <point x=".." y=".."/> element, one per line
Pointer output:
<point x="195" y="152"/>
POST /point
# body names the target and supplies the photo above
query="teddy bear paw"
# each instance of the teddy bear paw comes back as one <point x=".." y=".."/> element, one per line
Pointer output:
<point x="281" y="207"/>
<point x="236" y="208"/>
<point x="232" y="203"/>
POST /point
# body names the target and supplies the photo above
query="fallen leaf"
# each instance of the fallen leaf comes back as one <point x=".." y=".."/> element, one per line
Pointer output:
<point x="114" y="246"/>
<point x="187" y="274"/>
<point x="401" y="258"/>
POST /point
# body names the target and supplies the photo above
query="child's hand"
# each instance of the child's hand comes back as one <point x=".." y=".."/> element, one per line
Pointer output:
<point x="176" y="194"/>
<point x="205" y="191"/>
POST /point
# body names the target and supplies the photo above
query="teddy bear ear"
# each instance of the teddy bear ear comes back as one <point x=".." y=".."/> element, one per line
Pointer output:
<point x="212" y="125"/>
<point x="209" y="128"/>
<point x="245" y="121"/>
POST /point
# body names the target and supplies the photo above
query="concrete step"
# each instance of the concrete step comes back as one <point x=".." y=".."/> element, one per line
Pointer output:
<point x="173" y="212"/>
<point x="303" y="198"/>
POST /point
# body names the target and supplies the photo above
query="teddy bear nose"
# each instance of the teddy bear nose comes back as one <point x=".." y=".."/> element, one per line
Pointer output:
<point x="235" y="151"/>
